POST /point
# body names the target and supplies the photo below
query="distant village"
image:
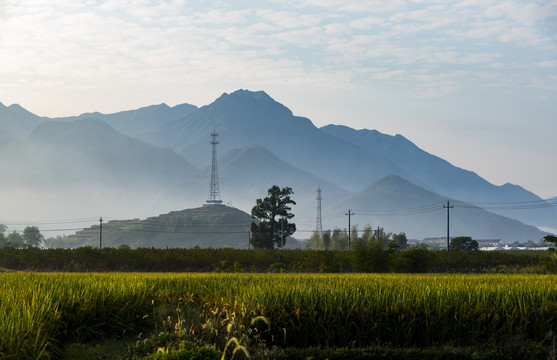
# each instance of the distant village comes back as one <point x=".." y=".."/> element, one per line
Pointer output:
<point x="440" y="243"/>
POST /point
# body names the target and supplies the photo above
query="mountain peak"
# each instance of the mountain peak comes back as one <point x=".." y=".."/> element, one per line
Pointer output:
<point x="248" y="95"/>
<point x="257" y="95"/>
<point x="245" y="104"/>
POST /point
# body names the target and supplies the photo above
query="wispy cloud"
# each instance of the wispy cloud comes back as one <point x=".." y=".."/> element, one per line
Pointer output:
<point x="195" y="41"/>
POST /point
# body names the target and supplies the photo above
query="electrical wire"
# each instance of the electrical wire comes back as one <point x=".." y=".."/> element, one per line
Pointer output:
<point x="153" y="225"/>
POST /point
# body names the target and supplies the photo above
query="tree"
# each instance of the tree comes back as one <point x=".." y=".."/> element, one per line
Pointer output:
<point x="400" y="241"/>
<point x="14" y="239"/>
<point x="551" y="239"/>
<point x="326" y="238"/>
<point x="3" y="239"/>
<point x="370" y="250"/>
<point x="32" y="236"/>
<point x="464" y="243"/>
<point x="314" y="242"/>
<point x="382" y="238"/>
<point x="273" y="213"/>
<point x="340" y="239"/>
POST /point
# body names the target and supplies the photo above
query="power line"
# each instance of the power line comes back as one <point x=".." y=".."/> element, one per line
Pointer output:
<point x="47" y="222"/>
<point x="400" y="212"/>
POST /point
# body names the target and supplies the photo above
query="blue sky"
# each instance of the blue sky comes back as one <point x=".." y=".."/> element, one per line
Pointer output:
<point x="474" y="82"/>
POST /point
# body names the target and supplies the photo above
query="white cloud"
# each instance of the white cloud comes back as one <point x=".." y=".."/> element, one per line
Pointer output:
<point x="85" y="44"/>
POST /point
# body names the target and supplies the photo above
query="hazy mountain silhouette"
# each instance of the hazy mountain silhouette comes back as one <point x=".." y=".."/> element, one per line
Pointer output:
<point x="16" y="122"/>
<point x="145" y="168"/>
<point x="90" y="151"/>
<point x="84" y="167"/>
<point x="446" y="179"/>
<point x="242" y="180"/>
<point x="400" y="206"/>
<point x="245" y="117"/>
<point x="143" y="120"/>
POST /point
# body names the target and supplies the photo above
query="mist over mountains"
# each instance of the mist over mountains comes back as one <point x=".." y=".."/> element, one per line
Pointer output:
<point x="156" y="159"/>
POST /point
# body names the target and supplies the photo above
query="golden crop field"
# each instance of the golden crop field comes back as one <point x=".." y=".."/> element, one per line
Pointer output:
<point x="41" y="311"/>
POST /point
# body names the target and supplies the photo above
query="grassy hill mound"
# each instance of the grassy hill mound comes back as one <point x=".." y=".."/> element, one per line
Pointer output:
<point x="208" y="226"/>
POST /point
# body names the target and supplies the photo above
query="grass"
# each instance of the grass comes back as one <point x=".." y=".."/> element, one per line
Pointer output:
<point x="41" y="313"/>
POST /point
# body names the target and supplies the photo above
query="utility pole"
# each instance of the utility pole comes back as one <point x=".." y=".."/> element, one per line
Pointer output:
<point x="101" y="233"/>
<point x="448" y="207"/>
<point x="350" y="213"/>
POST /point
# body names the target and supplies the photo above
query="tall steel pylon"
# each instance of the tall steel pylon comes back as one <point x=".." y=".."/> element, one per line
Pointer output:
<point x="319" y="226"/>
<point x="214" y="193"/>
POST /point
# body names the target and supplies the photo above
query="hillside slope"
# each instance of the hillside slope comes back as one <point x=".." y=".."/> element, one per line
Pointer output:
<point x="446" y="179"/>
<point x="206" y="227"/>
<point x="244" y="117"/>
<point x="400" y="206"/>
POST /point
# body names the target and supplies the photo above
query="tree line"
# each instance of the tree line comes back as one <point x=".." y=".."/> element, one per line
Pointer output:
<point x="31" y="237"/>
<point x="361" y="259"/>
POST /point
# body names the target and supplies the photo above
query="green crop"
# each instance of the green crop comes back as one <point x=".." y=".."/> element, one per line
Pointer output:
<point x="41" y="312"/>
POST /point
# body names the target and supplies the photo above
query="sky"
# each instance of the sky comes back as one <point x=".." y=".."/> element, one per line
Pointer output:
<point x="471" y="81"/>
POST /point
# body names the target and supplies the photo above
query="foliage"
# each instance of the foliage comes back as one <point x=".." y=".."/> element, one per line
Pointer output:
<point x="340" y="239"/>
<point x="273" y="213"/>
<point x="415" y="259"/>
<point x="463" y="243"/>
<point x="3" y="239"/>
<point x="32" y="236"/>
<point x="550" y="239"/>
<point x="371" y="250"/>
<point x="400" y="241"/>
<point x="41" y="312"/>
<point x="314" y="241"/>
<point x="15" y="239"/>
<point x="337" y="240"/>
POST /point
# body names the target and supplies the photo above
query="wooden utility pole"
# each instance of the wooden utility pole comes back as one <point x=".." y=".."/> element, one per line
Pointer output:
<point x="448" y="207"/>
<point x="349" y="213"/>
<point x="101" y="233"/>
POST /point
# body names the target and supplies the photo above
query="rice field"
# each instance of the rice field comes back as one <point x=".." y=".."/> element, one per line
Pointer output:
<point x="39" y="312"/>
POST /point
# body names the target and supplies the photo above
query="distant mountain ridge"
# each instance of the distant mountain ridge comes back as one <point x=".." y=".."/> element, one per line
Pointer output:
<point x="397" y="204"/>
<point x="89" y="150"/>
<point x="442" y="177"/>
<point x="245" y="117"/>
<point x="16" y="122"/>
<point x="145" y="157"/>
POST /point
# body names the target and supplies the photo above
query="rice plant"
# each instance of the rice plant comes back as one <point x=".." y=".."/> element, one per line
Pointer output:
<point x="40" y="312"/>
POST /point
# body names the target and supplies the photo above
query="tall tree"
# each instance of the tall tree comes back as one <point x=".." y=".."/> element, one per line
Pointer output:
<point x="400" y="241"/>
<point x="3" y="239"/>
<point x="464" y="243"/>
<point x="273" y="213"/>
<point x="15" y="239"/>
<point x="550" y="239"/>
<point x="32" y="236"/>
<point x="340" y="239"/>
<point x="327" y="240"/>
<point x="314" y="242"/>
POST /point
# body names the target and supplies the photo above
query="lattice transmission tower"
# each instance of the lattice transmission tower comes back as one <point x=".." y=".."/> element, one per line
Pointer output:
<point x="214" y="193"/>
<point x="319" y="226"/>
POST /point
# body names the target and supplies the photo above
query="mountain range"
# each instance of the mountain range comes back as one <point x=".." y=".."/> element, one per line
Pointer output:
<point x="157" y="159"/>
